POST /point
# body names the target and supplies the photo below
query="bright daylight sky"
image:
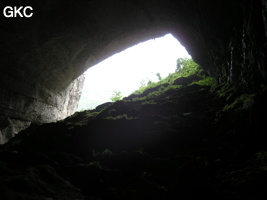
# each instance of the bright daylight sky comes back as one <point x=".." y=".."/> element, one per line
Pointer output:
<point x="125" y="71"/>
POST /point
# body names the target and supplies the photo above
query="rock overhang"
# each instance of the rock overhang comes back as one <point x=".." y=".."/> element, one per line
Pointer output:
<point x="41" y="56"/>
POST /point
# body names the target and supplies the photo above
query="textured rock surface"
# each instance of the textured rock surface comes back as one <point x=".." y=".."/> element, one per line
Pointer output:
<point x="10" y="127"/>
<point x="70" y="98"/>
<point x="42" y="55"/>
<point x="21" y="110"/>
<point x="45" y="107"/>
<point x="185" y="143"/>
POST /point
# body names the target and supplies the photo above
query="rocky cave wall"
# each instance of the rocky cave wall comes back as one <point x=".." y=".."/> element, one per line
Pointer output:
<point x="42" y="56"/>
<point x="18" y="110"/>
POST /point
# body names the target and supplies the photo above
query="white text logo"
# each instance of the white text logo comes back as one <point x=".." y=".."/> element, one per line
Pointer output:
<point x="18" y="11"/>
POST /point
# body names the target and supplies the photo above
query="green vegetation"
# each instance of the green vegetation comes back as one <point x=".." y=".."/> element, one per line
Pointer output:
<point x="226" y="90"/>
<point x="149" y="102"/>
<point x="92" y="113"/>
<point x="116" y="96"/>
<point x="208" y="81"/>
<point x="187" y="74"/>
<point x="124" y="116"/>
<point x="242" y="102"/>
<point x="236" y="99"/>
<point x="186" y="65"/>
<point x="154" y="94"/>
<point x="159" y="76"/>
<point x="185" y="68"/>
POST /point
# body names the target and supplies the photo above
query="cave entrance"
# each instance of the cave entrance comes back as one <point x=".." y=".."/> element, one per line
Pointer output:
<point x="125" y="72"/>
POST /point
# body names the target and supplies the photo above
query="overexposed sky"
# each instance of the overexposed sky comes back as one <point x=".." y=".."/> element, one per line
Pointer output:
<point x="125" y="71"/>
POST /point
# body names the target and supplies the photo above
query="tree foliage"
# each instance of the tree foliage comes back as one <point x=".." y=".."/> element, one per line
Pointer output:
<point x="116" y="96"/>
<point x="185" y="68"/>
<point x="185" y="63"/>
<point x="159" y="76"/>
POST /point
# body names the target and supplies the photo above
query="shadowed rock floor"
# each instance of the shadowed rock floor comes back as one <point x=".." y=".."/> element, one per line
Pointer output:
<point x="186" y="143"/>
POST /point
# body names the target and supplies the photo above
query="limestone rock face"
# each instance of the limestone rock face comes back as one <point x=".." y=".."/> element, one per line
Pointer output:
<point x="10" y="127"/>
<point x="22" y="110"/>
<point x="70" y="98"/>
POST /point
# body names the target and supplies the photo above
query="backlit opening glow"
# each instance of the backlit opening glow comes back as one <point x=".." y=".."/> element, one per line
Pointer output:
<point x="126" y="70"/>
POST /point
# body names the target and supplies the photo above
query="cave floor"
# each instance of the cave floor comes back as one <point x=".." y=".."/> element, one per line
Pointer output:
<point x="187" y="143"/>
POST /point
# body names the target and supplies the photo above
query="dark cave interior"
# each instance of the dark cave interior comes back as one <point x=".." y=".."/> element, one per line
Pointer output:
<point x="192" y="141"/>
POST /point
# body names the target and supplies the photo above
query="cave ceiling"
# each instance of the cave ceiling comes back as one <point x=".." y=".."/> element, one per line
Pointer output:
<point x="43" y="54"/>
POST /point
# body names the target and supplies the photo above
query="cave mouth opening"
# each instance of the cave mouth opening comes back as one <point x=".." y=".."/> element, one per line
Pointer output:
<point x="126" y="71"/>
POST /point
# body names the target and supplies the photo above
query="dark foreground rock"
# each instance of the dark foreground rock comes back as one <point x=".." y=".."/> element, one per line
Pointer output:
<point x="186" y="143"/>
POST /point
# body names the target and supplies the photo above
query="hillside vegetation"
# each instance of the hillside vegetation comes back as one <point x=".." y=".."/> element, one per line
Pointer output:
<point x="184" y="137"/>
